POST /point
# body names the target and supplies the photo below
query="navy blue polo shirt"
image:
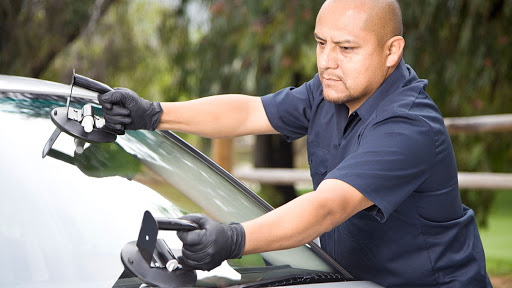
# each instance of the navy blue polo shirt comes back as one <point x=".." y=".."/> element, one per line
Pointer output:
<point x="395" y="150"/>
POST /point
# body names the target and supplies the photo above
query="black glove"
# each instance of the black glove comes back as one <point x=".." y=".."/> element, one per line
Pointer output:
<point x="206" y="248"/>
<point x="106" y="160"/>
<point x="123" y="110"/>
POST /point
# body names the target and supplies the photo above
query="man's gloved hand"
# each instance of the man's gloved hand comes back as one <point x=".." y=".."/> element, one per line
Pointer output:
<point x="206" y="248"/>
<point x="123" y="110"/>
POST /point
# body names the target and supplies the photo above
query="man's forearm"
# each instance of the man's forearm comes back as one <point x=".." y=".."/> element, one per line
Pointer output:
<point x="304" y="218"/>
<point x="222" y="116"/>
<point x="284" y="227"/>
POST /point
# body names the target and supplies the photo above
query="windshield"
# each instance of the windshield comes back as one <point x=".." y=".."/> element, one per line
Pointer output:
<point x="68" y="215"/>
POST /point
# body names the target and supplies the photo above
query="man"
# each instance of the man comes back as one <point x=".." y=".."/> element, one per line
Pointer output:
<point x="385" y="203"/>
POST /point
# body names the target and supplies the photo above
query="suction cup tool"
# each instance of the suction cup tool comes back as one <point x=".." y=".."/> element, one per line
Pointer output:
<point x="81" y="124"/>
<point x="149" y="259"/>
<point x="73" y="128"/>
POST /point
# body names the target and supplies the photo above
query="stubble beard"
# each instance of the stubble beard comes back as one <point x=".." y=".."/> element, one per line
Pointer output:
<point x="338" y="97"/>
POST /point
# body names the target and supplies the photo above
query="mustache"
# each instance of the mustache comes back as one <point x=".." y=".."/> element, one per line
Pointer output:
<point x="323" y="75"/>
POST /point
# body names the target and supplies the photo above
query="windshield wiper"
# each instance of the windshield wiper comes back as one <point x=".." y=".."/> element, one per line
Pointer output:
<point x="284" y="275"/>
<point x="307" y="278"/>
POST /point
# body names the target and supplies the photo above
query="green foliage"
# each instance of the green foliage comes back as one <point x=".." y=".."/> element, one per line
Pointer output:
<point x="463" y="48"/>
<point x="251" y="47"/>
<point x="33" y="32"/>
<point x="125" y="50"/>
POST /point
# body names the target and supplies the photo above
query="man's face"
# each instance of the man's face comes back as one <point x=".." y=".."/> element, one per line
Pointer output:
<point x="351" y="61"/>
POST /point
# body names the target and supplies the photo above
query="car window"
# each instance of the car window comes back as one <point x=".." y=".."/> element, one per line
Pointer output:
<point x="66" y="217"/>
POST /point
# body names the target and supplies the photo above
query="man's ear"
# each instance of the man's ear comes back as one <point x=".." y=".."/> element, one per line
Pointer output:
<point x="395" y="47"/>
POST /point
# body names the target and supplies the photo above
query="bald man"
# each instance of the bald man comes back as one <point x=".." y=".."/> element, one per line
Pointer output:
<point x="385" y="204"/>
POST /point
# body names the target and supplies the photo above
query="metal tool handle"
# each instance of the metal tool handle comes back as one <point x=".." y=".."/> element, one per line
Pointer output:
<point x="175" y="224"/>
<point x="89" y="84"/>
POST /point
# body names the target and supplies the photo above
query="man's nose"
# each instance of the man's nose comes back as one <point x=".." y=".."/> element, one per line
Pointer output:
<point x="327" y="59"/>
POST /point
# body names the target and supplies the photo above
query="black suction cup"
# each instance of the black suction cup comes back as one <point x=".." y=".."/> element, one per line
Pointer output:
<point x="60" y="118"/>
<point x="81" y="124"/>
<point x="136" y="267"/>
<point x="148" y="259"/>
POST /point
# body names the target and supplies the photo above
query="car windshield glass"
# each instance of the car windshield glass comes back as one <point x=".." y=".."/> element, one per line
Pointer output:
<point x="70" y="214"/>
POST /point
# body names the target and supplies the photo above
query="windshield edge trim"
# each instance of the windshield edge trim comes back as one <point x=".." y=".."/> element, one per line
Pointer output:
<point x="257" y="199"/>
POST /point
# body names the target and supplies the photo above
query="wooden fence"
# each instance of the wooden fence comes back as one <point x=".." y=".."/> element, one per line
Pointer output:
<point x="458" y="125"/>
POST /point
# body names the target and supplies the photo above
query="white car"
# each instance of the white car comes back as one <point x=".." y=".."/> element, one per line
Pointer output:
<point x="65" y="218"/>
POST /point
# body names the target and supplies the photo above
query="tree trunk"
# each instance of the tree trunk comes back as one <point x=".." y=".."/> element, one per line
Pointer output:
<point x="275" y="152"/>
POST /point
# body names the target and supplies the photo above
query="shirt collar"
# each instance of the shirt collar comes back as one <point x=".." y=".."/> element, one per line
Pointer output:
<point x="388" y="87"/>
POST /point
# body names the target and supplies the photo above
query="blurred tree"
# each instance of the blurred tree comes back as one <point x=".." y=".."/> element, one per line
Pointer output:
<point x="32" y="33"/>
<point x="124" y="50"/>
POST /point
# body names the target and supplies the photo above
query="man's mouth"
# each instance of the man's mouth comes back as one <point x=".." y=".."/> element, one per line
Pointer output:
<point x="330" y="78"/>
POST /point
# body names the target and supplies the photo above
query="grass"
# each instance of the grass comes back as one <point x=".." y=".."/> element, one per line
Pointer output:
<point x="497" y="237"/>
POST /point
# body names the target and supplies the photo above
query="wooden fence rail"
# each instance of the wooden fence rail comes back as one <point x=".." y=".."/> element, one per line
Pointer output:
<point x="284" y="176"/>
<point x="478" y="124"/>
<point x="478" y="180"/>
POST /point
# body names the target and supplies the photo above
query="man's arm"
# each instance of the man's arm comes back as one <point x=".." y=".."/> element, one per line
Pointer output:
<point x="305" y="218"/>
<point x="221" y="116"/>
<point x="291" y="225"/>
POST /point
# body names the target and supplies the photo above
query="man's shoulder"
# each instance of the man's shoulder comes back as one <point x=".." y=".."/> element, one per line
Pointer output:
<point x="410" y="99"/>
<point x="412" y="104"/>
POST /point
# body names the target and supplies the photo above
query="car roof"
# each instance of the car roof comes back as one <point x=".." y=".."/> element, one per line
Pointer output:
<point x="22" y="84"/>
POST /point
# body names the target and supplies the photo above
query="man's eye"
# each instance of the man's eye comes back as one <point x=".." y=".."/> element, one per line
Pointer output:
<point x="319" y="43"/>
<point x="344" y="48"/>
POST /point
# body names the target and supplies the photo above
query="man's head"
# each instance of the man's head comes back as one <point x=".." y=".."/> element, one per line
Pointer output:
<point x="359" y="44"/>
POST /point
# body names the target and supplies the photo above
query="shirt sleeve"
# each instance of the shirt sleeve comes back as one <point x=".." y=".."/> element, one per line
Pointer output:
<point x="289" y="109"/>
<point x="393" y="159"/>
